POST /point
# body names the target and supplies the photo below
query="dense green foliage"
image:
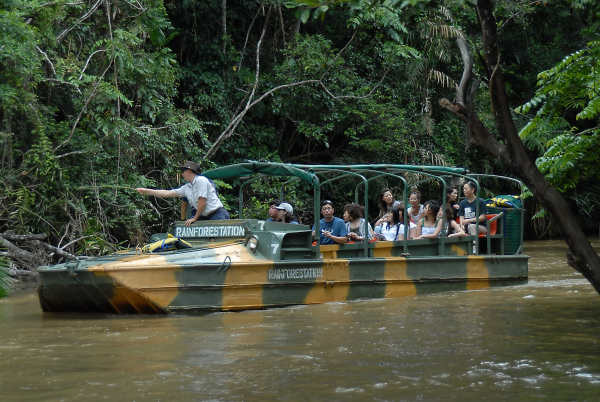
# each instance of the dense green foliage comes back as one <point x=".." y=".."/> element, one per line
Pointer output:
<point x="565" y="128"/>
<point x="99" y="97"/>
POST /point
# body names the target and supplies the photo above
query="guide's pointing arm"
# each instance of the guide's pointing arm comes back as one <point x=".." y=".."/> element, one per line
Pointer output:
<point x="157" y="193"/>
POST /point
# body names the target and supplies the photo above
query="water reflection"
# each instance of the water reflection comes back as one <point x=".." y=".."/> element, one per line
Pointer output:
<point x="525" y="342"/>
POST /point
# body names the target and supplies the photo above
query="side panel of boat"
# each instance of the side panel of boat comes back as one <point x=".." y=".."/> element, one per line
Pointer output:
<point x="254" y="286"/>
<point x="237" y="282"/>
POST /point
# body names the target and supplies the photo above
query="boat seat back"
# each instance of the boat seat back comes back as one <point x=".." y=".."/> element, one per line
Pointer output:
<point x="492" y="226"/>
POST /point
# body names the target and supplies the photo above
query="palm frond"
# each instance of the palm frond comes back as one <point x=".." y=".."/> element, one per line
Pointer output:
<point x="432" y="158"/>
<point x="425" y="121"/>
<point x="435" y="29"/>
<point x="415" y="71"/>
<point x="5" y="280"/>
<point x="442" y="79"/>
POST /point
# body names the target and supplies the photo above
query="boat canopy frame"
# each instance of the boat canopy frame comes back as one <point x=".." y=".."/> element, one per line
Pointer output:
<point x="311" y="175"/>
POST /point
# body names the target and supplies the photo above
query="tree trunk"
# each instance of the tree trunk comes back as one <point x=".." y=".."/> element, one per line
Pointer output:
<point x="513" y="153"/>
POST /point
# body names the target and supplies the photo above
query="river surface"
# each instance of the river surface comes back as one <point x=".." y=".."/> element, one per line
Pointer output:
<point x="537" y="341"/>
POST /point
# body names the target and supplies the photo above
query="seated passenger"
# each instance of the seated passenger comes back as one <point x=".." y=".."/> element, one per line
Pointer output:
<point x="386" y="201"/>
<point x="452" y="200"/>
<point x="467" y="210"/>
<point x="393" y="229"/>
<point x="333" y="230"/>
<point x="285" y="212"/>
<point x="273" y="204"/>
<point x="451" y="228"/>
<point x="355" y="223"/>
<point x="430" y="225"/>
<point x="415" y="211"/>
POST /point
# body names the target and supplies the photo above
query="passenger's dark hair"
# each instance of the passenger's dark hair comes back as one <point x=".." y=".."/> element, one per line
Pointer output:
<point x="287" y="218"/>
<point x="449" y="213"/>
<point x="450" y="190"/>
<point x="417" y="193"/>
<point x="383" y="206"/>
<point x="275" y="202"/>
<point x="433" y="207"/>
<point x="396" y="212"/>
<point x="472" y="185"/>
<point x="353" y="210"/>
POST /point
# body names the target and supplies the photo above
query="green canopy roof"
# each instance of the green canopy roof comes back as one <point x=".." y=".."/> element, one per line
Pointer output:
<point x="389" y="168"/>
<point x="307" y="172"/>
<point x="266" y="168"/>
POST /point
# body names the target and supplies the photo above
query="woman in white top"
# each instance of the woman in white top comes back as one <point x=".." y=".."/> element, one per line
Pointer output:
<point x="386" y="203"/>
<point x="430" y="225"/>
<point x="415" y="211"/>
<point x="393" y="229"/>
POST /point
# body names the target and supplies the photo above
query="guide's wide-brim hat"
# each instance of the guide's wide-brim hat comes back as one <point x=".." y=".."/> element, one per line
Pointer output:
<point x="191" y="165"/>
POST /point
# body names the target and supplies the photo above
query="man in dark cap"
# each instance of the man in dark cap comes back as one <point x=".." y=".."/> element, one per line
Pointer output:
<point x="199" y="192"/>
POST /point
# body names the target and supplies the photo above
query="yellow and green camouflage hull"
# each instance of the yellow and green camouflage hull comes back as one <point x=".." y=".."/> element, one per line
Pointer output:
<point x="229" y="275"/>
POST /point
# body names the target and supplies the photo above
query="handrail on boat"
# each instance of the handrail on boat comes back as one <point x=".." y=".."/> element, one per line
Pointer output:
<point x="406" y="228"/>
<point x="311" y="173"/>
<point x="366" y="243"/>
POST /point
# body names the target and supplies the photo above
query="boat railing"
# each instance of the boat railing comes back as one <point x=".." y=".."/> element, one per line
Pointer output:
<point x="319" y="175"/>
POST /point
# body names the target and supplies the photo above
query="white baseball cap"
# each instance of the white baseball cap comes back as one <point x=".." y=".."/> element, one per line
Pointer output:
<point x="286" y="207"/>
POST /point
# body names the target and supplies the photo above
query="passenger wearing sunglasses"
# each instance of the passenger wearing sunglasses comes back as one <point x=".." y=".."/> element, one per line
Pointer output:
<point x="198" y="190"/>
<point x="333" y="230"/>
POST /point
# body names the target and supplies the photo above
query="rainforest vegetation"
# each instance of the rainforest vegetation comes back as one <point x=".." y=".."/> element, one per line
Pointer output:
<point x="101" y="96"/>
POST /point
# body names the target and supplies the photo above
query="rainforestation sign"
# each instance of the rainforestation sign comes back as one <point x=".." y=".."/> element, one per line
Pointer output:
<point x="295" y="273"/>
<point x="210" y="231"/>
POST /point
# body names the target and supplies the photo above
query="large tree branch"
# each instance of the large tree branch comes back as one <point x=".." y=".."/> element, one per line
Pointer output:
<point x="247" y="37"/>
<point x="83" y="109"/>
<point x="461" y="93"/>
<point x="88" y="60"/>
<point x="75" y="241"/>
<point x="53" y="249"/>
<point x="258" y="49"/>
<point x="337" y="56"/>
<point x="47" y="59"/>
<point x="228" y="132"/>
<point x="282" y="28"/>
<point x="16" y="252"/>
<point x="20" y="238"/>
<point x="249" y="99"/>
<point x="354" y="96"/>
<point x="481" y="135"/>
<point x="85" y="16"/>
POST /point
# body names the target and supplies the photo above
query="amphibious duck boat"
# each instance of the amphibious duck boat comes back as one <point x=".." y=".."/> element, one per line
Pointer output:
<point x="243" y="264"/>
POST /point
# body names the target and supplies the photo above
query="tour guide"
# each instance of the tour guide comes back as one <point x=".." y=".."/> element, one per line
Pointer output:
<point x="333" y="230"/>
<point x="198" y="190"/>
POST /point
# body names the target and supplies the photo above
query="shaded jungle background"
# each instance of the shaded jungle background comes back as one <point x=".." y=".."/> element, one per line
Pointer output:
<point x="98" y="97"/>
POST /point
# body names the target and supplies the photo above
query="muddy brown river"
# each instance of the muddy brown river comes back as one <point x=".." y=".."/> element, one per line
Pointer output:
<point x="536" y="341"/>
